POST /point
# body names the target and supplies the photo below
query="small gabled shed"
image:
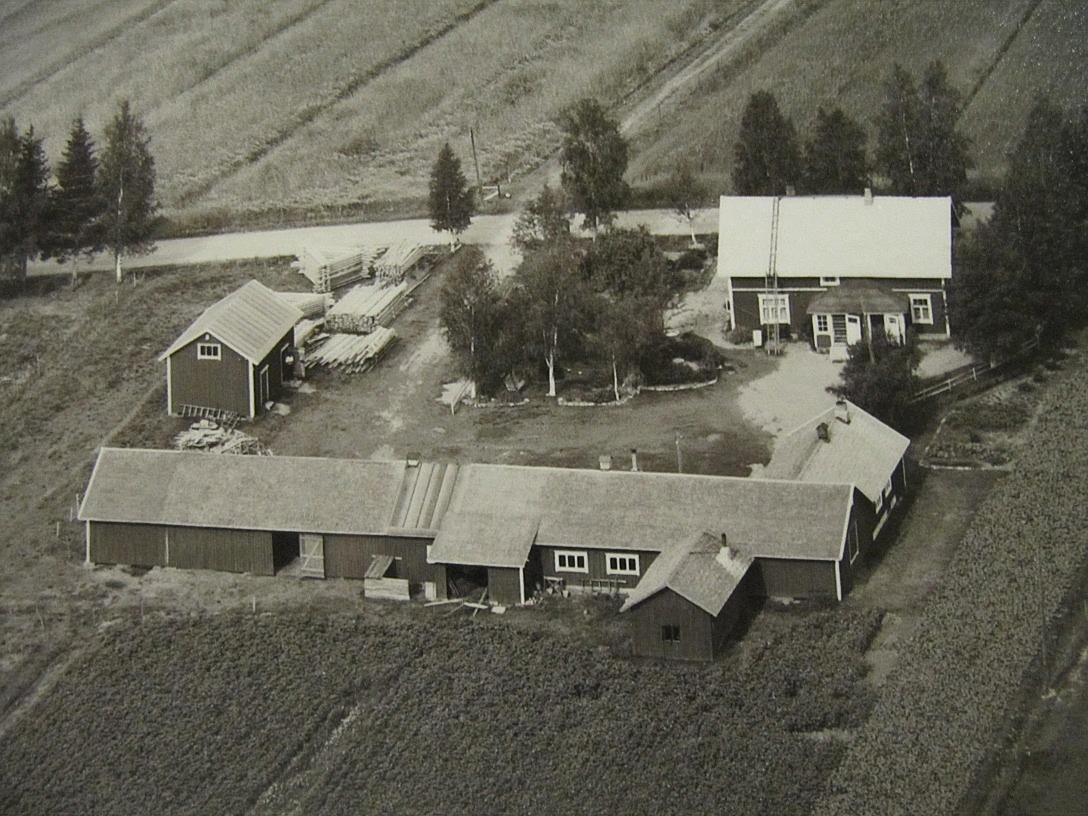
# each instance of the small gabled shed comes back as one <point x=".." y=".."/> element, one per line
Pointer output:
<point x="689" y="601"/>
<point x="235" y="357"/>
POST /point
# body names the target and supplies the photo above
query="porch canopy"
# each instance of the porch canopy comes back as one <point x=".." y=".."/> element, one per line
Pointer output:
<point x="858" y="300"/>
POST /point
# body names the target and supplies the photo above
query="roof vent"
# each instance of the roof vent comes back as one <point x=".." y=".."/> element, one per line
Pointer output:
<point x="412" y="460"/>
<point x="842" y="411"/>
<point x="822" y="432"/>
<point x="606" y="461"/>
<point x="868" y="195"/>
<point x="634" y="460"/>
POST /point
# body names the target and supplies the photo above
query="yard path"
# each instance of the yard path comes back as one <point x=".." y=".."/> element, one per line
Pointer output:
<point x="793" y="392"/>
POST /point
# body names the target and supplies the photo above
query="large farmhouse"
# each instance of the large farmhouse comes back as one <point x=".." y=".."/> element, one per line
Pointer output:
<point x="836" y="268"/>
<point x="685" y="550"/>
<point x="235" y="357"/>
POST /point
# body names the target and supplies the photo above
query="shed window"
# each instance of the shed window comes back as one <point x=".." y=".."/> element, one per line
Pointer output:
<point x="921" y="309"/>
<point x="829" y="280"/>
<point x="617" y="564"/>
<point x="570" y="561"/>
<point x="774" y="309"/>
<point x="208" y="351"/>
<point x="670" y="634"/>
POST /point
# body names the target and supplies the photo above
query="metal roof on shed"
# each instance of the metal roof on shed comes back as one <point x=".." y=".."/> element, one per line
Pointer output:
<point x="278" y="493"/>
<point x="837" y="236"/>
<point x="251" y="320"/>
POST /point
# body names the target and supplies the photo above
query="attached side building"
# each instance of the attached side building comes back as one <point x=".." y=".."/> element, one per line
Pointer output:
<point x="835" y="268"/>
<point x="235" y="357"/>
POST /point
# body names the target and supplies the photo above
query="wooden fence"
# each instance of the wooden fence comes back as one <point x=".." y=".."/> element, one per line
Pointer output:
<point x="971" y="374"/>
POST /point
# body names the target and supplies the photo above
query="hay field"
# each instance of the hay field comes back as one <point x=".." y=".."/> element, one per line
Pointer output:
<point x="300" y="105"/>
<point x="841" y="52"/>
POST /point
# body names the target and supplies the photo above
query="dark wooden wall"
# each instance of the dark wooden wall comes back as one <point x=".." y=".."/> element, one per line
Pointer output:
<point x="790" y="578"/>
<point x="504" y="585"/>
<point x="222" y="384"/>
<point x="143" y="545"/>
<point x="225" y="550"/>
<point x="348" y="556"/>
<point x="596" y="563"/>
<point x="666" y="608"/>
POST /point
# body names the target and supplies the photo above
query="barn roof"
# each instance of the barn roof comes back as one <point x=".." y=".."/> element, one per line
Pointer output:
<point x="484" y="539"/>
<point x="704" y="573"/>
<point x="278" y="493"/>
<point x="863" y="452"/>
<point x="858" y="300"/>
<point x="624" y="511"/>
<point x="251" y="320"/>
<point x="843" y="236"/>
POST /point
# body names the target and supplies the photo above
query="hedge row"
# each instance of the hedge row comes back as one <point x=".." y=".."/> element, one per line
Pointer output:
<point x="981" y="639"/>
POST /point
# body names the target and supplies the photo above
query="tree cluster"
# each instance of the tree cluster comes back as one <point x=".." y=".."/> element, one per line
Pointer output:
<point x="604" y="302"/>
<point x="879" y="376"/>
<point x="1023" y="275"/>
<point x="93" y="203"/>
<point x="919" y="152"/>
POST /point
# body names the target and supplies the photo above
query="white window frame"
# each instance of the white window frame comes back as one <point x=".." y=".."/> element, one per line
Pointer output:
<point x="578" y="556"/>
<point x="209" y="351"/>
<point x="629" y="562"/>
<point x="769" y="309"/>
<point x="829" y="280"/>
<point x="921" y="308"/>
<point x="826" y="320"/>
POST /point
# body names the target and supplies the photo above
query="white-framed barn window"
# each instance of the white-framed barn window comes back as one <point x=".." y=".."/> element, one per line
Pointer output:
<point x="774" y="309"/>
<point x="209" y="351"/>
<point x="621" y="564"/>
<point x="829" y="280"/>
<point x="921" y="309"/>
<point x="571" y="561"/>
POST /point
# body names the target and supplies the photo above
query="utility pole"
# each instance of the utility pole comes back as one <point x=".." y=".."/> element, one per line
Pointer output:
<point x="475" y="161"/>
<point x="679" y="454"/>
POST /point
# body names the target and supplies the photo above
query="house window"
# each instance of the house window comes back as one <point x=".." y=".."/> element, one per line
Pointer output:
<point x="921" y="309"/>
<point x="670" y="634"/>
<point x="616" y="564"/>
<point x="823" y="324"/>
<point x="774" y="309"/>
<point x="208" y="351"/>
<point x="570" y="561"/>
<point x="829" y="280"/>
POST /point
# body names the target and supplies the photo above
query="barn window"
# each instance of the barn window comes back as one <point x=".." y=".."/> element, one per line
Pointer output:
<point x="617" y="564"/>
<point x="774" y="309"/>
<point x="570" y="561"/>
<point x="208" y="351"/>
<point x="670" y="633"/>
<point x="921" y="309"/>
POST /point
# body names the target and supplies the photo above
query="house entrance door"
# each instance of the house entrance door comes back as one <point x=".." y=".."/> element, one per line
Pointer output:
<point x="853" y="329"/>
<point x="893" y="327"/>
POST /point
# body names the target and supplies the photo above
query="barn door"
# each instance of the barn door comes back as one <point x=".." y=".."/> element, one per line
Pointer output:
<point x="311" y="550"/>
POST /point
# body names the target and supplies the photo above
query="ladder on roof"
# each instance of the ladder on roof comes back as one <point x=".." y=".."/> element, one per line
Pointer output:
<point x="771" y="282"/>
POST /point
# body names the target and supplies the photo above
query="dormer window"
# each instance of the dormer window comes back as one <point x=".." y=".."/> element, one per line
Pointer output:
<point x="209" y="351"/>
<point x="829" y="280"/>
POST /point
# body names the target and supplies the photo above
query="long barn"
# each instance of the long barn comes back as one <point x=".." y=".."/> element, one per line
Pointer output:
<point x="685" y="550"/>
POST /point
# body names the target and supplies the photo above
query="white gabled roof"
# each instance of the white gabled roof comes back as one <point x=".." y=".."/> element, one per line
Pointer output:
<point x="843" y="236"/>
<point x="250" y="320"/>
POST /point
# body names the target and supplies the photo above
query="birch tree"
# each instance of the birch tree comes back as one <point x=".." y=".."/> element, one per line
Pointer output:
<point x="126" y="181"/>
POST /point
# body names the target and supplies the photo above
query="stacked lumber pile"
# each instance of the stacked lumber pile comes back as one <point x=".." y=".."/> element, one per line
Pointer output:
<point x="351" y="352"/>
<point x="397" y="261"/>
<point x="332" y="268"/>
<point x="211" y="437"/>
<point x="365" y="308"/>
<point x="313" y="305"/>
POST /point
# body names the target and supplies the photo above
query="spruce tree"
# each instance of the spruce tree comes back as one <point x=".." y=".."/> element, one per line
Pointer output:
<point x="768" y="160"/>
<point x="126" y="182"/>
<point x="77" y="205"/>
<point x="834" y="158"/>
<point x="24" y="201"/>
<point x="451" y="202"/>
